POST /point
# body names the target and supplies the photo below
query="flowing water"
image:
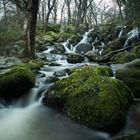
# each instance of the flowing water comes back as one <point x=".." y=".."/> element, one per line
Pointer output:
<point x="29" y="119"/>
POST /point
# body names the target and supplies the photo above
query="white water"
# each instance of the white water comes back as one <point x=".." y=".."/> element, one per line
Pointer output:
<point x="132" y="34"/>
<point x="120" y="34"/>
<point x="29" y="119"/>
<point x="65" y="44"/>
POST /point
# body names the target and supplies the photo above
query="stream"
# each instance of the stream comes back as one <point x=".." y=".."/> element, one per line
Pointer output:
<point x="29" y="119"/>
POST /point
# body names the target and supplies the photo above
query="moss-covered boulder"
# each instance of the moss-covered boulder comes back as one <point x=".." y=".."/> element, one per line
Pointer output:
<point x="91" y="98"/>
<point x="14" y="82"/>
<point x="130" y="75"/>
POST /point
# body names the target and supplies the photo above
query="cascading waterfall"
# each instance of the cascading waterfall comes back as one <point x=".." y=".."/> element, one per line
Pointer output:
<point x="131" y="35"/>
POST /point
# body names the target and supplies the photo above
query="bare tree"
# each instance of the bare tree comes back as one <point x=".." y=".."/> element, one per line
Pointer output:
<point x="50" y="4"/>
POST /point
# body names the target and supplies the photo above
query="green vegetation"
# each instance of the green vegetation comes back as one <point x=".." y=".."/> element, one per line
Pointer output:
<point x="92" y="98"/>
<point x="16" y="81"/>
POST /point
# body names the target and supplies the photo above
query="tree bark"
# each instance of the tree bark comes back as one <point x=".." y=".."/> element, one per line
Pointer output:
<point x="31" y="27"/>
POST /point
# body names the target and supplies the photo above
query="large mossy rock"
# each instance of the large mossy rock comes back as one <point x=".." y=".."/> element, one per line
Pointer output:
<point x="130" y="75"/>
<point x="14" y="82"/>
<point x="91" y="98"/>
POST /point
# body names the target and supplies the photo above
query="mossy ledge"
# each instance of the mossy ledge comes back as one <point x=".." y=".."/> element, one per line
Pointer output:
<point x="92" y="99"/>
<point x="16" y="81"/>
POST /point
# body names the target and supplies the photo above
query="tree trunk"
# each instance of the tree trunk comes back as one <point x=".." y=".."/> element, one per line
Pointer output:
<point x="31" y="27"/>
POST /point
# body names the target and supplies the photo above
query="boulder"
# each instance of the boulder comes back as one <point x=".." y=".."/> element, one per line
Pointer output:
<point x="15" y="81"/>
<point x="130" y="75"/>
<point x="58" y="49"/>
<point x="91" y="98"/>
<point x="83" y="48"/>
<point x="75" y="58"/>
<point x="93" y="56"/>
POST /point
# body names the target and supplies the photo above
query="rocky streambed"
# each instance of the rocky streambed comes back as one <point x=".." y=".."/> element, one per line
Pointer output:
<point x="68" y="97"/>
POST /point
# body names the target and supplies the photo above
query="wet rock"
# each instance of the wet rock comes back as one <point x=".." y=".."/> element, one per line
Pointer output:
<point x="75" y="58"/>
<point x="93" y="56"/>
<point x="40" y="75"/>
<point x="54" y="64"/>
<point x="130" y="75"/>
<point x="51" y="79"/>
<point x="83" y="48"/>
<point x="60" y="73"/>
<point x="58" y="49"/>
<point x="15" y="81"/>
<point x="91" y="98"/>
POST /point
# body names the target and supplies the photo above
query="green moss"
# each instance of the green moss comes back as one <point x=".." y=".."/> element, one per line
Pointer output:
<point x="115" y="44"/>
<point x="63" y="36"/>
<point x="74" y="39"/>
<point x="130" y="76"/>
<point x="135" y="51"/>
<point x="94" y="70"/>
<point x="91" y="98"/>
<point x="16" y="81"/>
<point x="122" y="57"/>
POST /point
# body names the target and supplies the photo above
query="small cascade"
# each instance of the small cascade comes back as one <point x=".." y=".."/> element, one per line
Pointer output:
<point x="121" y="33"/>
<point x="133" y="34"/>
<point x="85" y="37"/>
<point x="68" y="47"/>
